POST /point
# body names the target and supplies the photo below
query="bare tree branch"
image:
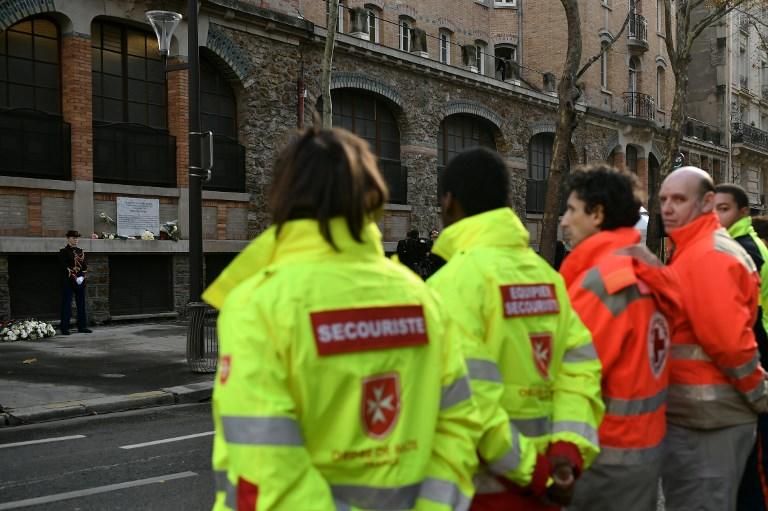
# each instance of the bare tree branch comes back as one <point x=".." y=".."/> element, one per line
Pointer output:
<point x="717" y="14"/>
<point x="603" y="49"/>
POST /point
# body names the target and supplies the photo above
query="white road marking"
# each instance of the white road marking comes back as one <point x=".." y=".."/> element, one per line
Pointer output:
<point x="43" y="441"/>
<point x="166" y="440"/>
<point x="94" y="491"/>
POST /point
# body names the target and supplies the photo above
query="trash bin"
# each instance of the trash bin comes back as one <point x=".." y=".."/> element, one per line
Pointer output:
<point x="202" y="343"/>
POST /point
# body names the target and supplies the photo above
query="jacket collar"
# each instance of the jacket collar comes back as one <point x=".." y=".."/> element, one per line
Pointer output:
<point x="495" y="228"/>
<point x="741" y="227"/>
<point x="589" y="252"/>
<point x="298" y="240"/>
<point x="687" y="234"/>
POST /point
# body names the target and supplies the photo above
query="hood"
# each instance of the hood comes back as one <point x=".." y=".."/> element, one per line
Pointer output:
<point x="495" y="228"/>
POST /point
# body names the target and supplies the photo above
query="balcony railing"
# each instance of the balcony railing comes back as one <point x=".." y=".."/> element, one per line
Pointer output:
<point x="34" y="144"/>
<point x="749" y="135"/>
<point x="133" y="154"/>
<point x="638" y="30"/>
<point x="396" y="177"/>
<point x="228" y="174"/>
<point x="639" y="106"/>
<point x="702" y="131"/>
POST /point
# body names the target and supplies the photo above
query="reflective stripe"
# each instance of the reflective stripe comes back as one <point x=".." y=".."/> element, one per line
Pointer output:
<point x="689" y="352"/>
<point x="616" y="406"/>
<point x="483" y="370"/>
<point x="261" y="430"/>
<point x="341" y="506"/>
<point x="455" y="393"/>
<point x="538" y="426"/>
<point x="444" y="492"/>
<point x="757" y="392"/>
<point x="511" y="459"/>
<point x="706" y="392"/>
<point x="580" y="428"/>
<point x="585" y="353"/>
<point x="371" y="497"/>
<point x="619" y="456"/>
<point x="744" y="369"/>
<point x="615" y="303"/>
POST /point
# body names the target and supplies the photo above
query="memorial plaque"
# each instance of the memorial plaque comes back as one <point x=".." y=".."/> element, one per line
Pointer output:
<point x="135" y="215"/>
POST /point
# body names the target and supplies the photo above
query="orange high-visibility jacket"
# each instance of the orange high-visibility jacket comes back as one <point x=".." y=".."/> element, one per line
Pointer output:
<point x="716" y="379"/>
<point x="629" y="306"/>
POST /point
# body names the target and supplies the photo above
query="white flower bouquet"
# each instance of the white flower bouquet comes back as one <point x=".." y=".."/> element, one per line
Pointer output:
<point x="25" y="330"/>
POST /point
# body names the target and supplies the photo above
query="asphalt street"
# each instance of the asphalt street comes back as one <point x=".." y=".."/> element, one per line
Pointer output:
<point x="154" y="459"/>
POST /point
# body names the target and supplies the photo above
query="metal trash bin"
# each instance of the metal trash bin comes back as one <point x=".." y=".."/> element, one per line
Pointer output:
<point x="202" y="342"/>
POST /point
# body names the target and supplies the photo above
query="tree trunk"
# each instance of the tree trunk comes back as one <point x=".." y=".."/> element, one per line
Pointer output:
<point x="568" y="93"/>
<point x="325" y="81"/>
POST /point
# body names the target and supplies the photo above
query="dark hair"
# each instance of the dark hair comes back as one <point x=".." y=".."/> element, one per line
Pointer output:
<point x="323" y="174"/>
<point x="760" y="224"/>
<point x="737" y="192"/>
<point x="615" y="190"/>
<point x="413" y="233"/>
<point x="477" y="178"/>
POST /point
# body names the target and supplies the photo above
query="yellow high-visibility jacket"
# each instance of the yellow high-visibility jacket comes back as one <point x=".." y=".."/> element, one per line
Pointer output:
<point x="336" y="388"/>
<point x="531" y="361"/>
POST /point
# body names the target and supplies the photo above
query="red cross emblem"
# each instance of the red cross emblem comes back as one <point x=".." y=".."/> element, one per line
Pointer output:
<point x="541" y="346"/>
<point x="658" y="343"/>
<point x="380" y="404"/>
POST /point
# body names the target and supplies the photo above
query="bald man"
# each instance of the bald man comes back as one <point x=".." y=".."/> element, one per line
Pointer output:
<point x="716" y="385"/>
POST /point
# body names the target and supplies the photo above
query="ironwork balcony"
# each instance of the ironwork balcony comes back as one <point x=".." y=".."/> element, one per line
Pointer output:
<point x="396" y="177"/>
<point x="228" y="174"/>
<point x="133" y="154"/>
<point x="34" y="144"/>
<point x="750" y="136"/>
<point x="637" y="34"/>
<point x="639" y="106"/>
<point x="701" y="131"/>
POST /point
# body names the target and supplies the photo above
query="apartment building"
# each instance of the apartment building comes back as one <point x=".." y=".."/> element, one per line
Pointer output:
<point x="90" y="115"/>
<point x="729" y="93"/>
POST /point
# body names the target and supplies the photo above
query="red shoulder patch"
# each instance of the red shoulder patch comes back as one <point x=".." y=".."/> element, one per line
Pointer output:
<point x="374" y="328"/>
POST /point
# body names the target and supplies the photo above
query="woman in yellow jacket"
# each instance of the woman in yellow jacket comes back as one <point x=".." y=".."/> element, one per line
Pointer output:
<point x="336" y="389"/>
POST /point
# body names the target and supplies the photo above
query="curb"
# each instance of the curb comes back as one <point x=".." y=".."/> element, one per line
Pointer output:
<point x="182" y="394"/>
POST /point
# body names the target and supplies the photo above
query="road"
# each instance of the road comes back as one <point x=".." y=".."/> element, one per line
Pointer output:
<point x="153" y="459"/>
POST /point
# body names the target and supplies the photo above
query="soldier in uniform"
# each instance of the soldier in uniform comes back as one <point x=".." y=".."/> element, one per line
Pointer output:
<point x="73" y="273"/>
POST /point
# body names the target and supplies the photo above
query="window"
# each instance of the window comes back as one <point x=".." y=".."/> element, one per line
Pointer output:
<point x="481" y="48"/>
<point x="660" y="16"/>
<point x="218" y="112"/>
<point x="604" y="67"/>
<point x="634" y="67"/>
<point x="743" y="67"/>
<point x="539" y="160"/>
<point x="128" y="76"/>
<point x="373" y="23"/>
<point x="29" y="66"/>
<point x="505" y="55"/>
<point x="405" y="34"/>
<point x="661" y="85"/>
<point x="505" y="3"/>
<point x="340" y="14"/>
<point x="631" y="159"/>
<point x="459" y="132"/>
<point x="445" y="47"/>
<point x="372" y="119"/>
<point x="605" y="3"/>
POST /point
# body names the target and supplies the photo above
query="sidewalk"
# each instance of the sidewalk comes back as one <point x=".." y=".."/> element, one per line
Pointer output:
<point x="112" y="369"/>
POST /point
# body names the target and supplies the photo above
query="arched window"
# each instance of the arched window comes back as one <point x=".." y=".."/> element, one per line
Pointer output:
<point x="631" y="159"/>
<point x="539" y="160"/>
<point x="604" y="66"/>
<point x="406" y="24"/>
<point x="371" y="118"/>
<point x="218" y="112"/>
<point x="131" y="144"/>
<point x="445" y="46"/>
<point x="29" y="66"/>
<point x="459" y="132"/>
<point x="634" y="70"/>
<point x="374" y="25"/>
<point x="34" y="139"/>
<point x="481" y="48"/>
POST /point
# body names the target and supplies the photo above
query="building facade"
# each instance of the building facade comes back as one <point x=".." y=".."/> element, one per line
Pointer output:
<point x="91" y="114"/>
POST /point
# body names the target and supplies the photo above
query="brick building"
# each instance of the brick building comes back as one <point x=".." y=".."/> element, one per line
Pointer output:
<point x="90" y="115"/>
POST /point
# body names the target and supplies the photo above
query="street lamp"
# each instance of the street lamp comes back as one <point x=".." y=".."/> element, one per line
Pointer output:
<point x="164" y="23"/>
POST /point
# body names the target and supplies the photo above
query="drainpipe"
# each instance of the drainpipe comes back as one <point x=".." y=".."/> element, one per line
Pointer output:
<point x="520" y="37"/>
<point x="728" y="121"/>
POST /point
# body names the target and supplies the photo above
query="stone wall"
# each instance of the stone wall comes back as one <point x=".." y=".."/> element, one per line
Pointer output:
<point x="97" y="290"/>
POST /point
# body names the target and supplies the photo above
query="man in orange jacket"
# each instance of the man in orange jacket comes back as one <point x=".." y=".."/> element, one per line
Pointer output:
<point x="717" y="385"/>
<point x="628" y="300"/>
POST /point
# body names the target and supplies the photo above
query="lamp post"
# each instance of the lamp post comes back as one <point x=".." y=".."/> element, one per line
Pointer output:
<point x="164" y="23"/>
